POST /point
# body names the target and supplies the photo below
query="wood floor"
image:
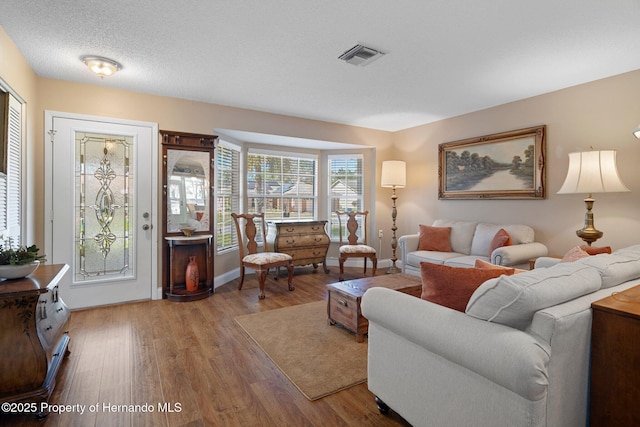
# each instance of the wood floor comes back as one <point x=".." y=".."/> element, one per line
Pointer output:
<point x="194" y="366"/>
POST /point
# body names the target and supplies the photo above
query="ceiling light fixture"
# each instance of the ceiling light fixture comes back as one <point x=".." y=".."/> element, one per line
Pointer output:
<point x="104" y="67"/>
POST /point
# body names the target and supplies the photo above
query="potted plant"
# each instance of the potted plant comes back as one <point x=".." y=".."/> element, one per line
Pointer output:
<point x="18" y="261"/>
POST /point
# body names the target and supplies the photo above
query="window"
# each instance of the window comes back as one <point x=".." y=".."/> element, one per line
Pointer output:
<point x="346" y="188"/>
<point x="228" y="194"/>
<point x="10" y="177"/>
<point x="282" y="186"/>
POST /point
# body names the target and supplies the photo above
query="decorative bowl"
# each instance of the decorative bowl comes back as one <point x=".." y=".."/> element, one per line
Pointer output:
<point x="18" y="271"/>
<point x="187" y="231"/>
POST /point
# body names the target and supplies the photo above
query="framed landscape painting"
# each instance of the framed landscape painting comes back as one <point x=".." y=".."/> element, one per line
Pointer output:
<point x="508" y="165"/>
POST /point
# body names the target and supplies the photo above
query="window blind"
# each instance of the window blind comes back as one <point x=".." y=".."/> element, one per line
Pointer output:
<point x="228" y="195"/>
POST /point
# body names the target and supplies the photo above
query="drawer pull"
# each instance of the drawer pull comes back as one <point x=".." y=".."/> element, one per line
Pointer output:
<point x="290" y="241"/>
<point x="289" y="230"/>
<point x="50" y="327"/>
<point x="59" y="310"/>
<point x="343" y="302"/>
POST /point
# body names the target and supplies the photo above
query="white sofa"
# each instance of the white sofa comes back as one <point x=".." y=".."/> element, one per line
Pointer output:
<point x="471" y="241"/>
<point x="527" y="365"/>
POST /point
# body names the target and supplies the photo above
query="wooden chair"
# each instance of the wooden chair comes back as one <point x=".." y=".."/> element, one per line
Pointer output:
<point x="249" y="255"/>
<point x="353" y="247"/>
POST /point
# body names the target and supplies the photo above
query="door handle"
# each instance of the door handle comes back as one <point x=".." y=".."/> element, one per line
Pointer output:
<point x="146" y="227"/>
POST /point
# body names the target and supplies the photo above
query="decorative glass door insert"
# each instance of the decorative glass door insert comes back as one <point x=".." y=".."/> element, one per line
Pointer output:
<point x="104" y="207"/>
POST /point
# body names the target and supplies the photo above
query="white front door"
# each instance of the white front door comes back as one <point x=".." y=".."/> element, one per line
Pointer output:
<point x="101" y="198"/>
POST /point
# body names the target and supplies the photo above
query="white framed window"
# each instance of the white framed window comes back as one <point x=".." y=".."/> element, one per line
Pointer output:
<point x="282" y="185"/>
<point x="11" y="168"/>
<point x="227" y="194"/>
<point x="346" y="188"/>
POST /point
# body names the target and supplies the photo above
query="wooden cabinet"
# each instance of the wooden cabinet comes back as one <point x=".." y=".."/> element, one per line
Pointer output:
<point x="306" y="241"/>
<point x="615" y="360"/>
<point x="33" y="335"/>
<point x="180" y="250"/>
<point x="188" y="216"/>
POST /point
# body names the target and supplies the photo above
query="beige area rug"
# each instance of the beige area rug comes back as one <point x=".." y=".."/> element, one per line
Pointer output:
<point x="318" y="358"/>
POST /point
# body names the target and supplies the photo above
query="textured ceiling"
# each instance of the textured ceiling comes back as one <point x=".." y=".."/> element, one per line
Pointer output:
<point x="444" y="58"/>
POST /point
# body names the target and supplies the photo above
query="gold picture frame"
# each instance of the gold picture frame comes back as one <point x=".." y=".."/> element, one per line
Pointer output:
<point x="507" y="165"/>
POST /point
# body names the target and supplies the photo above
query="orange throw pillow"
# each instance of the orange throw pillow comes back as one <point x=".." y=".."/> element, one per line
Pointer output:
<point x="452" y="286"/>
<point x="595" y="250"/>
<point x="505" y="270"/>
<point x="434" y="238"/>
<point x="501" y="239"/>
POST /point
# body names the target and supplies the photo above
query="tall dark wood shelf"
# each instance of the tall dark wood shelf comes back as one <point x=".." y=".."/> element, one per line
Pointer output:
<point x="187" y="200"/>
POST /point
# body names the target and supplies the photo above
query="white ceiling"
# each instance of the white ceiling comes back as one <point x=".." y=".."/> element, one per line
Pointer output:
<point x="444" y="57"/>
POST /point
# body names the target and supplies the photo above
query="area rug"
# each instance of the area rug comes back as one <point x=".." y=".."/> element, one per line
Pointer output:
<point x="318" y="358"/>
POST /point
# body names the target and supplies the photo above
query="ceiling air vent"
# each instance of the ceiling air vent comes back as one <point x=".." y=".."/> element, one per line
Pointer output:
<point x="360" y="55"/>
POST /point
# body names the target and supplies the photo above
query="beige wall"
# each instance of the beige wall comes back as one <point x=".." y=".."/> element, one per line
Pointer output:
<point x="600" y="114"/>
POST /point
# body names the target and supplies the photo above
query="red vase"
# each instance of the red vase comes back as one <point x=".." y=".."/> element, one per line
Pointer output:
<point x="192" y="275"/>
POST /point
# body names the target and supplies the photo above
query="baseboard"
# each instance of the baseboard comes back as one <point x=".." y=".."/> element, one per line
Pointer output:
<point x="331" y="262"/>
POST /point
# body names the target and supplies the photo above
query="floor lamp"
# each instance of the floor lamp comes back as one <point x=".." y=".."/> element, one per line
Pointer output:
<point x="394" y="175"/>
<point x="592" y="172"/>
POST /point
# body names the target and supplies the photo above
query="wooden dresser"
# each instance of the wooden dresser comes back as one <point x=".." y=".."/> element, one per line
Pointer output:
<point x="306" y="241"/>
<point x="33" y="336"/>
<point x="615" y="360"/>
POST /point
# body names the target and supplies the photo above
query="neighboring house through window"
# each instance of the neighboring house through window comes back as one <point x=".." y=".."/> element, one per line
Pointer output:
<point x="283" y="186"/>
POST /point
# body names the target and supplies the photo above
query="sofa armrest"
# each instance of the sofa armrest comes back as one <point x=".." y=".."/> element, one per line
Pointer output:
<point x="508" y="357"/>
<point x="518" y="254"/>
<point x="407" y="243"/>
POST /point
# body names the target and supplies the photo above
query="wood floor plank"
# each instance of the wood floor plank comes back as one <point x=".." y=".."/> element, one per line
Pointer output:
<point x="195" y="366"/>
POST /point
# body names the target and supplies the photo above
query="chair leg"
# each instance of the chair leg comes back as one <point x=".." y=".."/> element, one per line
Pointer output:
<point x="364" y="272"/>
<point x="341" y="261"/>
<point x="374" y="260"/>
<point x="241" y="277"/>
<point x="262" y="277"/>
<point x="290" y="270"/>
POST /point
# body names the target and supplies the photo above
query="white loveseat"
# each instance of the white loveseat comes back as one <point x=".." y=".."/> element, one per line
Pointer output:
<point x="518" y="356"/>
<point x="471" y="241"/>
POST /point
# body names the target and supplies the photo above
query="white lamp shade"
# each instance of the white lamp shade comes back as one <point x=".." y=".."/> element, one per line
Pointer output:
<point x="592" y="172"/>
<point x="636" y="132"/>
<point x="394" y="174"/>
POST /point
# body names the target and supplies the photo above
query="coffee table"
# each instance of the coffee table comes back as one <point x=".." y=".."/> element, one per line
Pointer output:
<point x="343" y="305"/>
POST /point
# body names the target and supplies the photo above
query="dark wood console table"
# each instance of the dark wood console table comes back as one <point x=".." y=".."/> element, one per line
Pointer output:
<point x="33" y="335"/>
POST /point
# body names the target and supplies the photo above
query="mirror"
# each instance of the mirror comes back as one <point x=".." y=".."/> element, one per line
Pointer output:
<point x="188" y="190"/>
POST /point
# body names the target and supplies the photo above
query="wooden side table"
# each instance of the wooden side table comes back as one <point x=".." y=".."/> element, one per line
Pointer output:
<point x="615" y="360"/>
<point x="343" y="305"/>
